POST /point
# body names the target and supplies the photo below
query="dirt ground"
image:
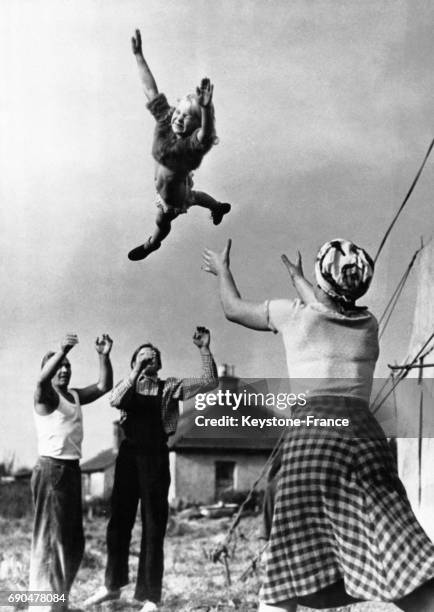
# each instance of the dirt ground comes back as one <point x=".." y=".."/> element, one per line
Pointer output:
<point x="192" y="582"/>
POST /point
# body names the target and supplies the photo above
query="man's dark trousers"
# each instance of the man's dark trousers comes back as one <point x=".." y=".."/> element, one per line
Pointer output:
<point x="58" y="540"/>
<point x="141" y="472"/>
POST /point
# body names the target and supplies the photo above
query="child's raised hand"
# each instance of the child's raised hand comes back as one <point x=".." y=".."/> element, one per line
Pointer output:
<point x="204" y="92"/>
<point x="136" y="43"/>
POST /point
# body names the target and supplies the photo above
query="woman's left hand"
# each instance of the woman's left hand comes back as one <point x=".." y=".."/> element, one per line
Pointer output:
<point x="295" y="270"/>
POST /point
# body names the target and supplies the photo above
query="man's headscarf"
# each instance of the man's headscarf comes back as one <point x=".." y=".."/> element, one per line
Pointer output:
<point x="343" y="270"/>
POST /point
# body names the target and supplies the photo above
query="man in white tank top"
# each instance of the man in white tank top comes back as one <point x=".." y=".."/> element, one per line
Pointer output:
<point x="58" y="541"/>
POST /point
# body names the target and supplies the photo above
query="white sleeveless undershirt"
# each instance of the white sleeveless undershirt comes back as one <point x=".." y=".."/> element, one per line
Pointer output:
<point x="60" y="433"/>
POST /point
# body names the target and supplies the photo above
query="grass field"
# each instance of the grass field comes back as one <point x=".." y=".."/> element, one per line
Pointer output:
<point x="192" y="583"/>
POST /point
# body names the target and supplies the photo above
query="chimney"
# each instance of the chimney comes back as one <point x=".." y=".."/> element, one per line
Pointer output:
<point x="227" y="379"/>
<point x="118" y="436"/>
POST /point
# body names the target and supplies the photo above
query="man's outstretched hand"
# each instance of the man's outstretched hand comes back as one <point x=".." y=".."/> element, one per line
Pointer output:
<point x="202" y="337"/>
<point x="103" y="344"/>
<point x="68" y="342"/>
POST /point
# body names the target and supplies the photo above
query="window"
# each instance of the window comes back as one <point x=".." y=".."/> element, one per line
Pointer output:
<point x="224" y="478"/>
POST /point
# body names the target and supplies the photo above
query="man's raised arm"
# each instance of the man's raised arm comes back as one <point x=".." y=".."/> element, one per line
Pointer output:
<point x="46" y="398"/>
<point x="188" y="387"/>
<point x="124" y="388"/>
<point x="91" y="393"/>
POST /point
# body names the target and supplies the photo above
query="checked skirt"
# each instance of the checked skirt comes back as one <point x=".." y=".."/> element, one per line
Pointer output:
<point x="341" y="512"/>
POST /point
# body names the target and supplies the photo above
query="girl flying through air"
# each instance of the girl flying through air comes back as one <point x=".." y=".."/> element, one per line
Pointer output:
<point x="183" y="135"/>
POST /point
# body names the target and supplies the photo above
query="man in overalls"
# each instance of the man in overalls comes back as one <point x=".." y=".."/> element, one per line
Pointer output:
<point x="149" y="415"/>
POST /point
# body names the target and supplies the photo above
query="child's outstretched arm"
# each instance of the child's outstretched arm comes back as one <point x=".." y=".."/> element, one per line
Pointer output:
<point x="146" y="76"/>
<point x="204" y="97"/>
<point x="302" y="286"/>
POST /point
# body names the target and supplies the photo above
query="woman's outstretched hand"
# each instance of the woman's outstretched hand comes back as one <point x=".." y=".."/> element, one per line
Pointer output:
<point x="295" y="270"/>
<point x="215" y="263"/>
<point x="302" y="286"/>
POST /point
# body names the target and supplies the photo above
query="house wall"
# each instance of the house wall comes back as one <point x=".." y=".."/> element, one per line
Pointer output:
<point x="193" y="474"/>
<point x="98" y="484"/>
<point x="173" y="481"/>
<point x="93" y="484"/>
<point x="109" y="475"/>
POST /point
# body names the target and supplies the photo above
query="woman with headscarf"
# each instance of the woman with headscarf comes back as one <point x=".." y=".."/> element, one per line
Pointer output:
<point x="343" y="530"/>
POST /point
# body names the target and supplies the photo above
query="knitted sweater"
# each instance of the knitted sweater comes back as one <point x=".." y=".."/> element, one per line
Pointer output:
<point x="327" y="353"/>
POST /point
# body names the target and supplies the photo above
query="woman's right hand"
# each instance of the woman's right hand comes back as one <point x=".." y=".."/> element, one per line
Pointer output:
<point x="216" y="263"/>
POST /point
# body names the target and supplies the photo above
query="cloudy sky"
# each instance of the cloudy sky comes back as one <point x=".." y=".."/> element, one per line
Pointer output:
<point x="324" y="112"/>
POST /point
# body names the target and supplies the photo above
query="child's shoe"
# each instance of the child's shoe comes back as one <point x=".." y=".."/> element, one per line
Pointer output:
<point x="143" y="250"/>
<point x="218" y="214"/>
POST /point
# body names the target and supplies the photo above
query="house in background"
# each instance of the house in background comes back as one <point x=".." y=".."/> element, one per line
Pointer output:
<point x="205" y="462"/>
<point x="98" y="473"/>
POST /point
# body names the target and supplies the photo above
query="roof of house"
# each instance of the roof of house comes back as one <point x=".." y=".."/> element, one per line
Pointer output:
<point x="207" y="445"/>
<point x="100" y="462"/>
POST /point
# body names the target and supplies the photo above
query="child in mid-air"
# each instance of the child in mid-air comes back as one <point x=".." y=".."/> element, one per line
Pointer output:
<point x="183" y="135"/>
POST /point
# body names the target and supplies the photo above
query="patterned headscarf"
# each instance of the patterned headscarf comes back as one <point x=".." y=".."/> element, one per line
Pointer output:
<point x="343" y="270"/>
